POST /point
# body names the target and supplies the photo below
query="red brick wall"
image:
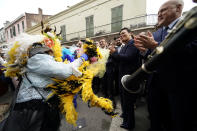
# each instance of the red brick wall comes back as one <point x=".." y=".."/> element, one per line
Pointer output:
<point x="36" y="18"/>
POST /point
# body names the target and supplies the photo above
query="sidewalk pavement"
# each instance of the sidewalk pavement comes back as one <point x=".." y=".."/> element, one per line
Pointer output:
<point x="141" y="118"/>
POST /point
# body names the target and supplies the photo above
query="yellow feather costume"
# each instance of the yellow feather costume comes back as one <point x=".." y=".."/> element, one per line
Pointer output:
<point x="84" y="84"/>
<point x="66" y="89"/>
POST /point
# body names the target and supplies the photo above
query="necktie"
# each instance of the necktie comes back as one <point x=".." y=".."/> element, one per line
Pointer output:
<point x="164" y="32"/>
<point x="119" y="48"/>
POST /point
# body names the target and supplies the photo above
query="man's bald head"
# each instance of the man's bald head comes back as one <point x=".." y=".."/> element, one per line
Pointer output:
<point x="169" y="11"/>
<point x="178" y="3"/>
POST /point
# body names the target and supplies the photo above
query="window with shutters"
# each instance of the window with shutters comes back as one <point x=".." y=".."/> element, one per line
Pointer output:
<point x="23" y="25"/>
<point x="11" y="34"/>
<point x="90" y="26"/>
<point x="14" y="31"/>
<point x="116" y="18"/>
<point x="63" y="34"/>
<point x="18" y="28"/>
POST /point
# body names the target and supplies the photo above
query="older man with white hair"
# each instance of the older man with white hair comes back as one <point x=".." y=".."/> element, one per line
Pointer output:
<point x="170" y="90"/>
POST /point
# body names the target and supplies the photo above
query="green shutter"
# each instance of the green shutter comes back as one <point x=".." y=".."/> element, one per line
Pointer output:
<point x="14" y="31"/>
<point x="89" y="26"/>
<point x="63" y="34"/>
<point x="23" y="25"/>
<point x="18" y="28"/>
<point x="11" y="33"/>
<point x="116" y="18"/>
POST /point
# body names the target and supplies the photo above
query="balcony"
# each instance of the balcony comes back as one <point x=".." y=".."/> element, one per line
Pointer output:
<point x="132" y="23"/>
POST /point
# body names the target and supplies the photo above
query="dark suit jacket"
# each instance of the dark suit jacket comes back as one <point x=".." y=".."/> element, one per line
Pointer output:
<point x="128" y="58"/>
<point x="158" y="35"/>
<point x="110" y="65"/>
<point x="176" y="71"/>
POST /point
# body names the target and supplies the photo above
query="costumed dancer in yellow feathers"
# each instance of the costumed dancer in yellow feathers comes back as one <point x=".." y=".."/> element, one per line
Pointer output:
<point x="49" y="84"/>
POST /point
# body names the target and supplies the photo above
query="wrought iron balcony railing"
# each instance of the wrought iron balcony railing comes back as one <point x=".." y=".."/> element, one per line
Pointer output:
<point x="132" y="23"/>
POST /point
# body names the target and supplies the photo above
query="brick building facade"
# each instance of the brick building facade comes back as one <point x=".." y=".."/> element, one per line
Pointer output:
<point x="22" y="23"/>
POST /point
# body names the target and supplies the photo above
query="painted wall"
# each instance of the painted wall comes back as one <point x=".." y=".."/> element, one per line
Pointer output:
<point x="74" y="17"/>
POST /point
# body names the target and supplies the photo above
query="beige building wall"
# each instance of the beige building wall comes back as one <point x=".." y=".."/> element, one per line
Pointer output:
<point x="75" y="22"/>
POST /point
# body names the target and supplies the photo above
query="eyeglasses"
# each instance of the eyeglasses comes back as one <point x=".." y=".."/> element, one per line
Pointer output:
<point x="165" y="9"/>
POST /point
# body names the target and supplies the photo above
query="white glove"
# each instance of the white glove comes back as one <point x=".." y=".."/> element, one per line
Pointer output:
<point x="76" y="72"/>
<point x="76" y="63"/>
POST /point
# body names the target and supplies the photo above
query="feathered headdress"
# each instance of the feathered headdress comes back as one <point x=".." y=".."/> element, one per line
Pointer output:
<point x="17" y="55"/>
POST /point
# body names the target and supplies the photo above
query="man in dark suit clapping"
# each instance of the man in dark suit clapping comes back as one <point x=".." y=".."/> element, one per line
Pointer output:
<point x="129" y="61"/>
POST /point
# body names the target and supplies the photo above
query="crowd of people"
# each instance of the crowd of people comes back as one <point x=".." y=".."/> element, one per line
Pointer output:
<point x="171" y="90"/>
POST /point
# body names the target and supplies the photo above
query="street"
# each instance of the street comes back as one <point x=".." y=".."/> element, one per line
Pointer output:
<point x="94" y="119"/>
